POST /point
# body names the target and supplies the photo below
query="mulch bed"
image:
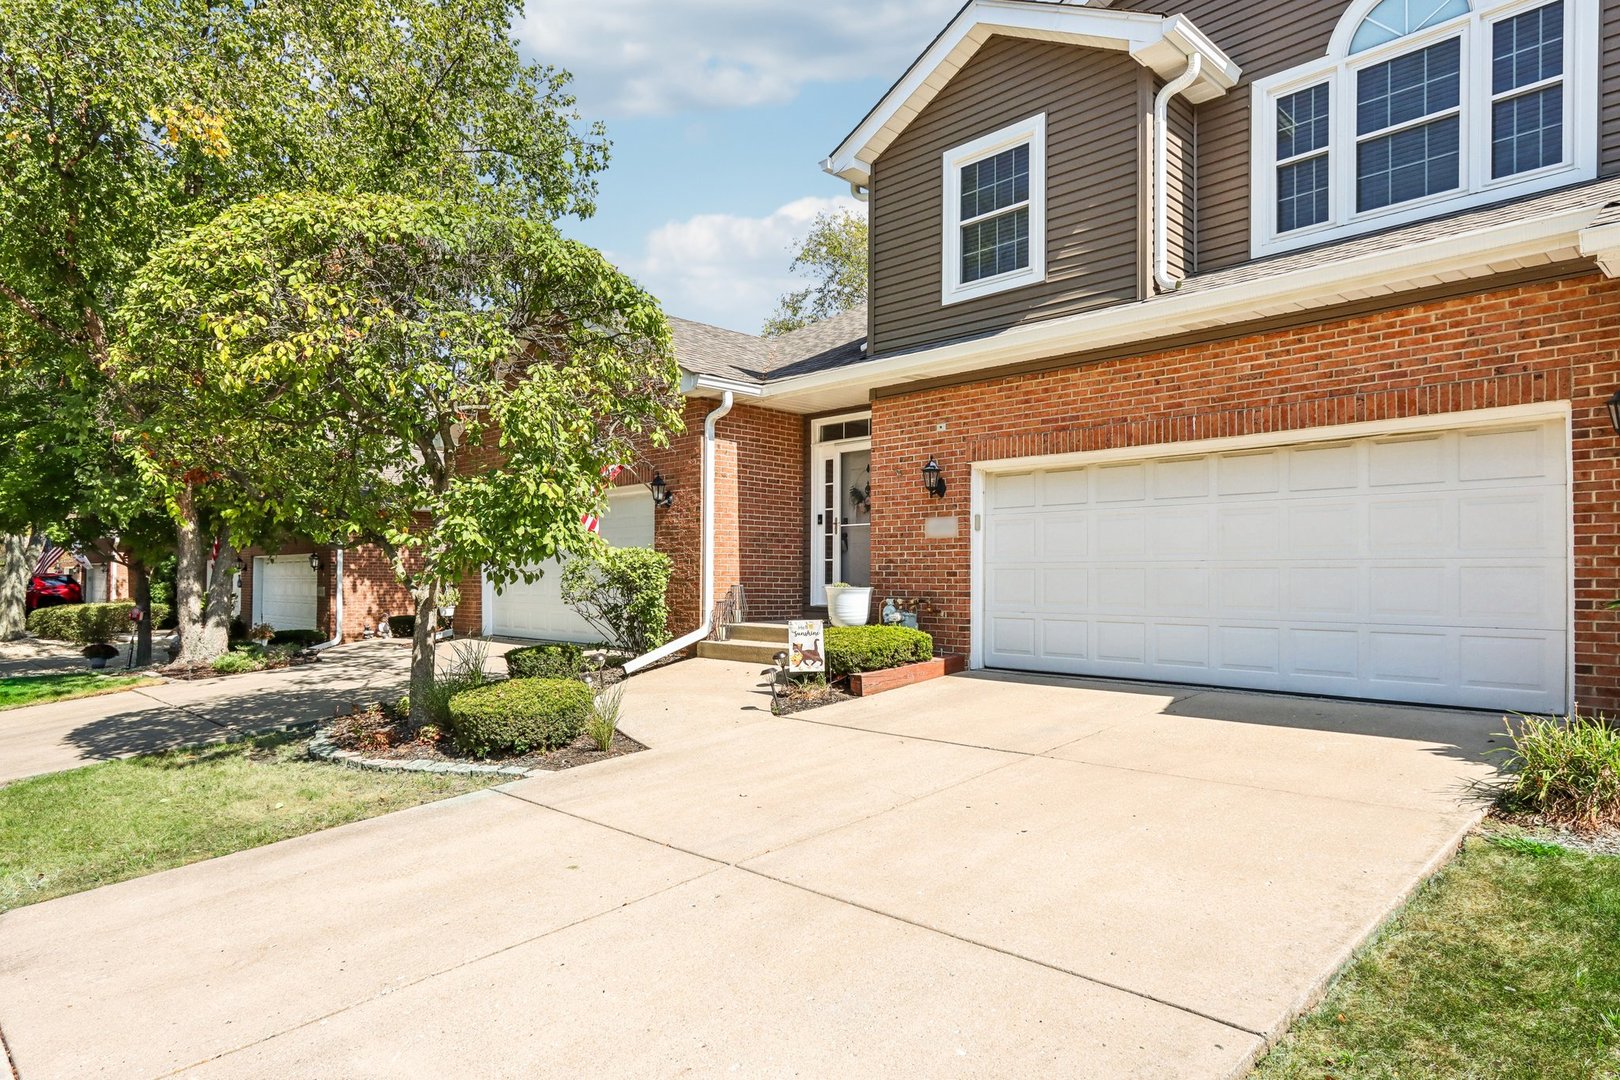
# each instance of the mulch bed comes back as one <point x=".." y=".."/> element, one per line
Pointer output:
<point x="379" y="738"/>
<point x="203" y="671"/>
<point x="802" y="697"/>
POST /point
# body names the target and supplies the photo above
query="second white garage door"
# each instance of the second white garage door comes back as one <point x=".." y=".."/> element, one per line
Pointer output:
<point x="536" y="610"/>
<point x="1430" y="567"/>
<point x="284" y="592"/>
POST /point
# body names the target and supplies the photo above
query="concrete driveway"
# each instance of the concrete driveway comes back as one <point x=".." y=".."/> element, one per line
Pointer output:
<point x="981" y="876"/>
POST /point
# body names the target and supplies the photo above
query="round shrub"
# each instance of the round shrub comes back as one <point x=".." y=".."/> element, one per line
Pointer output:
<point x="874" y="648"/>
<point x="558" y="660"/>
<point x="519" y="715"/>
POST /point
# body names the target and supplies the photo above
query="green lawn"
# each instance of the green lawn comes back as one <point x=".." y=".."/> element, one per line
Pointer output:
<point x="1507" y="965"/>
<point x="19" y="690"/>
<point x="76" y="830"/>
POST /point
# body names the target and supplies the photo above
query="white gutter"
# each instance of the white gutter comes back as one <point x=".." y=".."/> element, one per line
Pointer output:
<point x="706" y="596"/>
<point x="337" y="628"/>
<point x="1161" y="171"/>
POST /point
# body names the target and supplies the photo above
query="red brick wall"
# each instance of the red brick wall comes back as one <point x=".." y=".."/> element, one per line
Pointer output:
<point x="759" y="514"/>
<point x="1533" y="343"/>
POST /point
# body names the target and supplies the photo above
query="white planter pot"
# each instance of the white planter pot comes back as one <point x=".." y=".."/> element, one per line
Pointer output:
<point x="849" y="606"/>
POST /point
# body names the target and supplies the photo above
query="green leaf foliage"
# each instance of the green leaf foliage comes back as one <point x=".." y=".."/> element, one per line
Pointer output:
<point x="874" y="648"/>
<point x="89" y="624"/>
<point x="835" y="254"/>
<point x="622" y="593"/>
<point x="553" y="660"/>
<point x="519" y="715"/>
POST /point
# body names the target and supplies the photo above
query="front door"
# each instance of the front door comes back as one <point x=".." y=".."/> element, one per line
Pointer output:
<point x="841" y="507"/>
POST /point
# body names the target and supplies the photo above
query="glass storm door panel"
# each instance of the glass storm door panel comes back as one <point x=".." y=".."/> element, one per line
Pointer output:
<point x="840" y="516"/>
<point x="855" y="517"/>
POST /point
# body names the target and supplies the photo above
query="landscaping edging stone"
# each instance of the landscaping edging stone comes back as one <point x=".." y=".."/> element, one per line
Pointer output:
<point x="322" y="747"/>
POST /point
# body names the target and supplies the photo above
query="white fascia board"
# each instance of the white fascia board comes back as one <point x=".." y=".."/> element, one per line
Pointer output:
<point x="1602" y="242"/>
<point x="696" y="384"/>
<point x="1162" y="44"/>
<point x="1379" y="272"/>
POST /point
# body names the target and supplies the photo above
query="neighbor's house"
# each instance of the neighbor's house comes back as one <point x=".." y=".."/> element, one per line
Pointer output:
<point x="1262" y="344"/>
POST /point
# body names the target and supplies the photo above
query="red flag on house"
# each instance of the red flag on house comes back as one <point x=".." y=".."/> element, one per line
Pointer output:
<point x="593" y="522"/>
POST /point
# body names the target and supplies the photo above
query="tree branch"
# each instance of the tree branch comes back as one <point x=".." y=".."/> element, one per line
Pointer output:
<point x="37" y="314"/>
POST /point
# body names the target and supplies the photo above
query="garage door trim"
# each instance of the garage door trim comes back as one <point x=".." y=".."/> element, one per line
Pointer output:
<point x="1458" y="421"/>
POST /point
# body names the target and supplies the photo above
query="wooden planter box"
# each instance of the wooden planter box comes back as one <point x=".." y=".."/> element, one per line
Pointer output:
<point x="867" y="683"/>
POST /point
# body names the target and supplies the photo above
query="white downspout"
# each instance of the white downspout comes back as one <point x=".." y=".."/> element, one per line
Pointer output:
<point x="706" y="596"/>
<point x="337" y="602"/>
<point x="1161" y="171"/>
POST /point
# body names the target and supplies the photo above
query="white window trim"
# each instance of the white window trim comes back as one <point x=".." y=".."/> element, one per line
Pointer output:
<point x="1033" y="132"/>
<point x="1582" y="39"/>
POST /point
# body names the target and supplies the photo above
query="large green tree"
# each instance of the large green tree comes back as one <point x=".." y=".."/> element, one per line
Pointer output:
<point x="448" y="383"/>
<point x="833" y="252"/>
<point x="125" y="122"/>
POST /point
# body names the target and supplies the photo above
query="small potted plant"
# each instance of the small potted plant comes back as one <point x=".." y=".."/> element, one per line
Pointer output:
<point x="99" y="653"/>
<point x="849" y="605"/>
<point x="261" y="634"/>
<point x="449" y="597"/>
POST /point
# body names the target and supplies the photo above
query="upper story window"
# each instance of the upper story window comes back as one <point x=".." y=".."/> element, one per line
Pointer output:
<point x="995" y="212"/>
<point x="1423" y="107"/>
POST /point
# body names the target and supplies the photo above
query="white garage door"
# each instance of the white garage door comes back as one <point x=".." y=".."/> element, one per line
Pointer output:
<point x="284" y="592"/>
<point x="537" y="610"/>
<point x="1430" y="568"/>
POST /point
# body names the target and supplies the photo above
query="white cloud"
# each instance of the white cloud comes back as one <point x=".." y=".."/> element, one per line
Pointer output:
<point x="726" y="269"/>
<point x="654" y="57"/>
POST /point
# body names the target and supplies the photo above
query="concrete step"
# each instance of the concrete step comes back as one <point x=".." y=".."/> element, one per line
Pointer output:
<point x="757" y="631"/>
<point x="760" y="652"/>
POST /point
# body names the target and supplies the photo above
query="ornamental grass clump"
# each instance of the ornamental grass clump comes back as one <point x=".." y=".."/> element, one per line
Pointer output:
<point x="1566" y="770"/>
<point x="519" y="715"/>
<point x="603" y="723"/>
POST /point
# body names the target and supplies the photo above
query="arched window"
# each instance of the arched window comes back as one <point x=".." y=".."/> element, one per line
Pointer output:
<point x="1422" y="107"/>
<point x="1394" y="19"/>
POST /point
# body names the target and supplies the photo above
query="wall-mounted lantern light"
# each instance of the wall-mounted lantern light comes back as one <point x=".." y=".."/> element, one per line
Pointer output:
<point x="933" y="482"/>
<point x="241" y="564"/>
<point x="662" y="496"/>
<point x="315" y="561"/>
<point x="1614" y="411"/>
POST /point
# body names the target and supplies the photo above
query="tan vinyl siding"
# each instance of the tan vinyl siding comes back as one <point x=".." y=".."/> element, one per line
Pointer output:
<point x="1092" y="106"/>
<point x="1182" y="175"/>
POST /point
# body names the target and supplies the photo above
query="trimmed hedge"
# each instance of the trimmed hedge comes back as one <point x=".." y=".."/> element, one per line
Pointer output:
<point x="874" y="648"/>
<point x="297" y="637"/>
<point x="402" y="625"/>
<point x="88" y="624"/>
<point x="520" y="715"/>
<point x="555" y="660"/>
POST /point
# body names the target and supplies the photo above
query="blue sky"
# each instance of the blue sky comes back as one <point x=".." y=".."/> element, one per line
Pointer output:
<point x="720" y="112"/>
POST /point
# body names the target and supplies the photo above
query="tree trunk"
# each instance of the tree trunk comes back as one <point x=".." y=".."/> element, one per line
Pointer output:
<point x="140" y="591"/>
<point x="16" y="567"/>
<point x="203" y="609"/>
<point x="422" y="651"/>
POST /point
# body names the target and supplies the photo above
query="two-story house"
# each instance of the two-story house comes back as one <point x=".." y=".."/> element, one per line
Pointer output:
<point x="1266" y="345"/>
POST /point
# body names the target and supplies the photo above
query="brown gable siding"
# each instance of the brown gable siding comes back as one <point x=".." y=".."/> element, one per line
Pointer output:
<point x="1265" y="37"/>
<point x="1092" y="103"/>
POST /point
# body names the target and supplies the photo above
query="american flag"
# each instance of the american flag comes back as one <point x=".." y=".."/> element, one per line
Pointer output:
<point x="593" y="522"/>
<point x="48" y="557"/>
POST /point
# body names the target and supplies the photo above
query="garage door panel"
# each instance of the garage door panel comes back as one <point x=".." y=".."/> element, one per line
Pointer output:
<point x="535" y="609"/>
<point x="1431" y="568"/>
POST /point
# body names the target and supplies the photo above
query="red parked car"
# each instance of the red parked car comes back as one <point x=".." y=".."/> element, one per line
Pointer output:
<point x="52" y="590"/>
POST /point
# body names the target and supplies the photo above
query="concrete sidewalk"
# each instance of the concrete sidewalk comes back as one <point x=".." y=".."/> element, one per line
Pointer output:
<point x="982" y="876"/>
<point x="67" y="734"/>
